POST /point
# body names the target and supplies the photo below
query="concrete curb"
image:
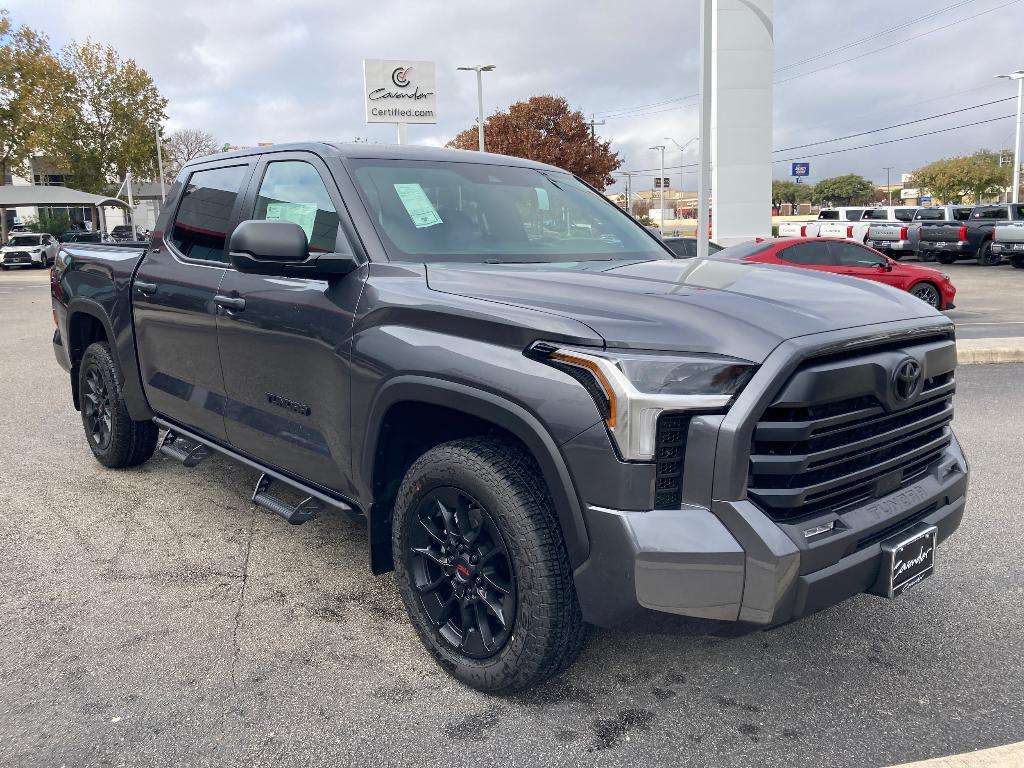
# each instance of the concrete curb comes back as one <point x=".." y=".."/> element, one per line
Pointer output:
<point x="1010" y="756"/>
<point x="977" y="351"/>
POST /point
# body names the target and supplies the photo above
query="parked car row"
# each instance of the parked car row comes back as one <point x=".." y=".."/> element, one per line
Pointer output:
<point x="944" y="234"/>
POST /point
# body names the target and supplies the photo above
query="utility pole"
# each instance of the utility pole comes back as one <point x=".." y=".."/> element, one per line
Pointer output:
<point x="888" y="187"/>
<point x="592" y="123"/>
<point x="661" y="187"/>
<point x="479" y="69"/>
<point x="681" y="148"/>
<point x="629" y="189"/>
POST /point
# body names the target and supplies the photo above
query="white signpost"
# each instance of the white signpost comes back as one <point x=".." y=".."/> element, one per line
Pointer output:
<point x="400" y="91"/>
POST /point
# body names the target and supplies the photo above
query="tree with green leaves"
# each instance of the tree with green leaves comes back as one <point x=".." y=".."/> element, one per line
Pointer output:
<point x="784" y="191"/>
<point x="850" y="189"/>
<point x="974" y="176"/>
<point x="28" y="73"/>
<point x="104" y="123"/>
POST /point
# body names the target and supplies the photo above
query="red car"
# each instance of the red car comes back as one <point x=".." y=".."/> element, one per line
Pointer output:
<point x="841" y="257"/>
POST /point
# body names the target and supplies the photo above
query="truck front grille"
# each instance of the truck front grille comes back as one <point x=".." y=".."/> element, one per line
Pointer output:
<point x="669" y="452"/>
<point x="815" y="457"/>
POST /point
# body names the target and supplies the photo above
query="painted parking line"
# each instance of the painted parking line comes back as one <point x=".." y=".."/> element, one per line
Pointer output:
<point x="1010" y="756"/>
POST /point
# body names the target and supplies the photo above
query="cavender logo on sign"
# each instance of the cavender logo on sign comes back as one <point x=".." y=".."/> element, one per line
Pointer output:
<point x="399" y="91"/>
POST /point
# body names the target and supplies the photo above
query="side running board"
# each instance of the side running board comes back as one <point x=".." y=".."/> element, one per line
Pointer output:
<point x="190" y="448"/>
<point x="188" y="452"/>
<point x="296" y="514"/>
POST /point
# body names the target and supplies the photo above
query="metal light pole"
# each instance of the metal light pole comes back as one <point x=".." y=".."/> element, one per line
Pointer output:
<point x="661" y="186"/>
<point x="681" y="149"/>
<point x="888" y="187"/>
<point x="629" y="189"/>
<point x="160" y="163"/>
<point x="704" y="133"/>
<point x="479" y="69"/>
<point x="1017" y="75"/>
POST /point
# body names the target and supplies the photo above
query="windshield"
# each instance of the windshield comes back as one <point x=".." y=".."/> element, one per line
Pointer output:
<point x="468" y="212"/>
<point x="24" y="241"/>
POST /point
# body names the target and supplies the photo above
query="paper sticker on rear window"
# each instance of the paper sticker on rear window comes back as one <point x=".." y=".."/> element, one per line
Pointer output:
<point x="417" y="205"/>
<point x="303" y="214"/>
<point x="542" y="199"/>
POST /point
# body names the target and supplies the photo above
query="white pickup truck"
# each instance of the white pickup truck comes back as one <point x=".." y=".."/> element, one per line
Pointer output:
<point x="858" y="231"/>
<point x="811" y="228"/>
<point x="1008" y="242"/>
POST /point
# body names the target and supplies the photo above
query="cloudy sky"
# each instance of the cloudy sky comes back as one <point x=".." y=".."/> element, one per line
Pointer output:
<point x="255" y="70"/>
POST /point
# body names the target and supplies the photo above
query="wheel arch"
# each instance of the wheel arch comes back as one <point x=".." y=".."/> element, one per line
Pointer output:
<point x="387" y="453"/>
<point x="87" y="324"/>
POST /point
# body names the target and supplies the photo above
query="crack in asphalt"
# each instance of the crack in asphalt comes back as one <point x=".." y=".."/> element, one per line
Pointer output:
<point x="241" y="599"/>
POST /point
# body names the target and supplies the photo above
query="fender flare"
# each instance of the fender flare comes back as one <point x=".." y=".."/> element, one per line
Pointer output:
<point x="499" y="411"/>
<point x="135" y="401"/>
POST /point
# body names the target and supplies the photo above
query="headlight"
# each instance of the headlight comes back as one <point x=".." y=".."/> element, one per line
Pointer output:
<point x="633" y="389"/>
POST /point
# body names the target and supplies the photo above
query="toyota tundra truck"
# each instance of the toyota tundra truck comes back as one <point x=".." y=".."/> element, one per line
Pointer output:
<point x="544" y="420"/>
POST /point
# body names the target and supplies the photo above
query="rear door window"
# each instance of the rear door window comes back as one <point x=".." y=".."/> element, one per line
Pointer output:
<point x="200" y="228"/>
<point x="828" y="215"/>
<point x="989" y="212"/>
<point x="854" y="214"/>
<point x="807" y="254"/>
<point x="904" y="214"/>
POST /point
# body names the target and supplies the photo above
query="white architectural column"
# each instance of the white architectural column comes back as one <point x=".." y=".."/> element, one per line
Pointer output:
<point x="742" y="53"/>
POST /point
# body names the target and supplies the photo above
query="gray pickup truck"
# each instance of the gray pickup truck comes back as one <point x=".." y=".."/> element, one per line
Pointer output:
<point x="970" y="239"/>
<point x="542" y="417"/>
<point x="901" y="240"/>
<point x="1008" y="243"/>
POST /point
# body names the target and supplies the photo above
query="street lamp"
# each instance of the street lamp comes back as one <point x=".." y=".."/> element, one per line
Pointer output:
<point x="160" y="162"/>
<point x="681" y="149"/>
<point x="888" y="186"/>
<point x="479" y="69"/>
<point x="661" y="186"/>
<point x="1017" y="75"/>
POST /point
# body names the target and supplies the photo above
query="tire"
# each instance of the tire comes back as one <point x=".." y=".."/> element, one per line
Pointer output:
<point x="496" y="501"/>
<point x="4" y="267"/>
<point x="928" y="293"/>
<point x="116" y="441"/>
<point x="945" y="258"/>
<point x="895" y="255"/>
<point x="926" y="256"/>
<point x="986" y="258"/>
<point x="1017" y="262"/>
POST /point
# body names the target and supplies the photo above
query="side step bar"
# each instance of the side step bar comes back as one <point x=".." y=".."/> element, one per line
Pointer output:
<point x="315" y="495"/>
<point x="188" y="452"/>
<point x="305" y="510"/>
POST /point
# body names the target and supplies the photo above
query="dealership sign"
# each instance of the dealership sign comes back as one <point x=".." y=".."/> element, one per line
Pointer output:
<point x="399" y="91"/>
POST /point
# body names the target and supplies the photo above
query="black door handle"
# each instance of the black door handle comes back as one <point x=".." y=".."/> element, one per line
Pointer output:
<point x="146" y="288"/>
<point x="229" y="302"/>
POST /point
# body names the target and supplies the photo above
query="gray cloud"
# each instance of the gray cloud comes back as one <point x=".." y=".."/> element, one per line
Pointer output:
<point x="253" y="70"/>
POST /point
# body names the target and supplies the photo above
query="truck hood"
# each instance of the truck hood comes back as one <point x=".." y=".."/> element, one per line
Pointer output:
<point x="713" y="305"/>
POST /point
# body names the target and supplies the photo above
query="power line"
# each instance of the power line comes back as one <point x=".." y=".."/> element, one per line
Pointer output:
<point x="897" y="125"/>
<point x="874" y="36"/>
<point x="639" y="110"/>
<point x="893" y="141"/>
<point x="850" y="149"/>
<point x="893" y="45"/>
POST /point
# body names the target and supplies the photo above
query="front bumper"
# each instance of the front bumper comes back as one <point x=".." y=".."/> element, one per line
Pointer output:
<point x="21" y="258"/>
<point x="733" y="563"/>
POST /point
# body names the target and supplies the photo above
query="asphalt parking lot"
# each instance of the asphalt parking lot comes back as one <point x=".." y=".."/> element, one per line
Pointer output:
<point x="153" y="617"/>
<point x="989" y="300"/>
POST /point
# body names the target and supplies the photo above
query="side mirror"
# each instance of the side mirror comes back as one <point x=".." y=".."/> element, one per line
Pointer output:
<point x="280" y="248"/>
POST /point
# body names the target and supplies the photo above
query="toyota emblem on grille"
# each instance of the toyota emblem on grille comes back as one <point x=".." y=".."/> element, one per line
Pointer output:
<point x="906" y="379"/>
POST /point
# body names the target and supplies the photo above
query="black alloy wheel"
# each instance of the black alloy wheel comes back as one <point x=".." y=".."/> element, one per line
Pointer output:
<point x="97" y="406"/>
<point x="927" y="293"/>
<point x="986" y="256"/>
<point x="462" y="572"/>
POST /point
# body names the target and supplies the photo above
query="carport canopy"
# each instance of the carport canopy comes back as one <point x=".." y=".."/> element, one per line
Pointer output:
<point x="25" y="195"/>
